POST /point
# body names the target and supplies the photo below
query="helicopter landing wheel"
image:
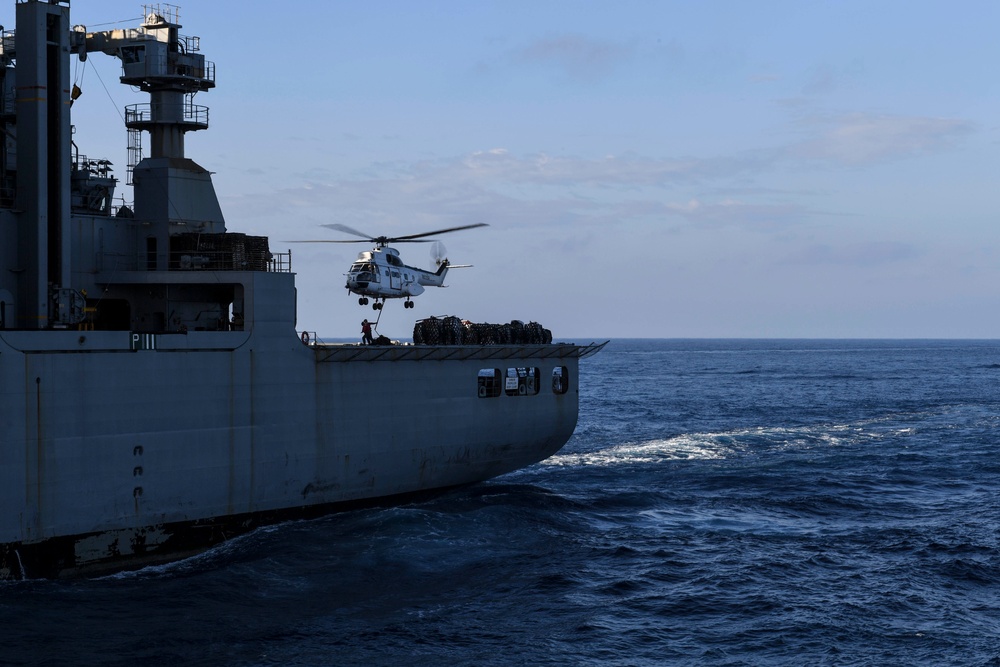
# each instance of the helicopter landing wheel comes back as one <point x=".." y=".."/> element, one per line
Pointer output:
<point x="363" y="301"/>
<point x="407" y="304"/>
<point x="376" y="306"/>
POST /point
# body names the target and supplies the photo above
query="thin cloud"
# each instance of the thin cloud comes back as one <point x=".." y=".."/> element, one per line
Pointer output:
<point x="576" y="56"/>
<point x="731" y="212"/>
<point x="867" y="254"/>
<point x="607" y="171"/>
<point x="859" y="139"/>
<point x="500" y="188"/>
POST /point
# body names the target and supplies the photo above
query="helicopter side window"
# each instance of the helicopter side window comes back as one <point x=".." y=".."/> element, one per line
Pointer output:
<point x="489" y="382"/>
<point x="560" y="380"/>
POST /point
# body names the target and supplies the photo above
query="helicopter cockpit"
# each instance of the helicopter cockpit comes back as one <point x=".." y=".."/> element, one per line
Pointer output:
<point x="364" y="272"/>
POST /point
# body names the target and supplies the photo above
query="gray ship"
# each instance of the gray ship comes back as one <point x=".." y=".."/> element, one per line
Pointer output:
<point x="155" y="395"/>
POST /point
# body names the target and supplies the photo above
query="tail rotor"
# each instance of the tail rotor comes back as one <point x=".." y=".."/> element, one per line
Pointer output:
<point x="439" y="253"/>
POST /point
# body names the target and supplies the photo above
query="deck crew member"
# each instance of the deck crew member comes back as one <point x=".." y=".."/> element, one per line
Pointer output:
<point x="366" y="332"/>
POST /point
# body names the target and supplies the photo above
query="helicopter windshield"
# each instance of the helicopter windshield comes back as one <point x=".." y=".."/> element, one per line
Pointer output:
<point x="364" y="270"/>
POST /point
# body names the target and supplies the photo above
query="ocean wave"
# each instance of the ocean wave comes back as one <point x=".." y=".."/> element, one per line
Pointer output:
<point x="729" y="444"/>
<point x="670" y="449"/>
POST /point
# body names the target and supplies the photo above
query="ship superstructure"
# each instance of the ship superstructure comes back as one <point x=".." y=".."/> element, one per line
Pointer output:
<point x="155" y="396"/>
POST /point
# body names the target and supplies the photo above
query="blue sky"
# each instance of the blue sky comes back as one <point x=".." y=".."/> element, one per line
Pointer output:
<point x="651" y="169"/>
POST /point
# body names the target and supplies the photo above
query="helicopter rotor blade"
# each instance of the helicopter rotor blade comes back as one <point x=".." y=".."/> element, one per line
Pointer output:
<point x="411" y="237"/>
<point x="349" y="230"/>
<point x="385" y="240"/>
<point x="382" y="241"/>
<point x="331" y="241"/>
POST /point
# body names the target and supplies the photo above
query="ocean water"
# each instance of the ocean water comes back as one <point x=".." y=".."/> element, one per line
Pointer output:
<point x="721" y="503"/>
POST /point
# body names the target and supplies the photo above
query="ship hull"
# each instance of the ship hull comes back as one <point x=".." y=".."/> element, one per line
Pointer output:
<point x="155" y="396"/>
<point x="118" y="454"/>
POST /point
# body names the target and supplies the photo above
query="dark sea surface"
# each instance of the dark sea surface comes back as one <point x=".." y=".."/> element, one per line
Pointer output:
<point x="722" y="503"/>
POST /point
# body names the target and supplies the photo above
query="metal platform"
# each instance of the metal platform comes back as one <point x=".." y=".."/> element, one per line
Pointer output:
<point x="332" y="352"/>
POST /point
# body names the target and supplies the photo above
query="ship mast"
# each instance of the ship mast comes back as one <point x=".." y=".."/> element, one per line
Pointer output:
<point x="171" y="72"/>
<point x="172" y="193"/>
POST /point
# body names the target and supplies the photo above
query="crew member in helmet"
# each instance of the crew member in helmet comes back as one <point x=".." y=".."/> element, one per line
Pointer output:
<point x="366" y="332"/>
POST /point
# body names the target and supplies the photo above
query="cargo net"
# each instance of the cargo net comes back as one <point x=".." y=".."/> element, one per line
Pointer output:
<point x="219" y="252"/>
<point x="454" y="331"/>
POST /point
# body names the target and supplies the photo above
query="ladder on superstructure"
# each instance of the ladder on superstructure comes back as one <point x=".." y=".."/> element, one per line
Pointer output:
<point x="134" y="152"/>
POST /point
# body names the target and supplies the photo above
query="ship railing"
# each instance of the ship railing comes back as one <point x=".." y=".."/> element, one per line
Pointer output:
<point x="99" y="168"/>
<point x="169" y="13"/>
<point x="218" y="260"/>
<point x="138" y="115"/>
<point x="230" y="259"/>
<point x="189" y="43"/>
<point x="281" y="262"/>
<point x="194" y="70"/>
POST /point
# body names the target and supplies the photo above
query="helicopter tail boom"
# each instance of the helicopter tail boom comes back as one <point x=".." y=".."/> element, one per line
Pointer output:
<point x="436" y="279"/>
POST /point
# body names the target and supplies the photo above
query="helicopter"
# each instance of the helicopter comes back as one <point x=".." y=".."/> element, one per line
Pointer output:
<point x="380" y="274"/>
